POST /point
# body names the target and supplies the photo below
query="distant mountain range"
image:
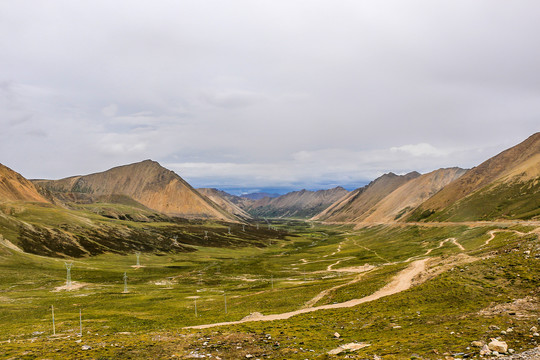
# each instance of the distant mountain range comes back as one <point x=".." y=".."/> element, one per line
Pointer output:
<point x="296" y="204"/>
<point x="259" y="195"/>
<point x="507" y="186"/>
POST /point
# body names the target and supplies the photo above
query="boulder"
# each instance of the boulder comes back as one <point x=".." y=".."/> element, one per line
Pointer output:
<point x="485" y="350"/>
<point x="500" y="346"/>
<point x="478" y="343"/>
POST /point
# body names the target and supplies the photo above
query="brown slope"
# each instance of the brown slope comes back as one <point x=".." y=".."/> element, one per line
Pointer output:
<point x="221" y="198"/>
<point x="356" y="206"/>
<point x="478" y="177"/>
<point x="402" y="201"/>
<point x="303" y="203"/>
<point x="14" y="187"/>
<point x="146" y="182"/>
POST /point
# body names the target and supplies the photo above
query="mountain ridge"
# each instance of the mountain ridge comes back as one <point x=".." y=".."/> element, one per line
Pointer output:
<point x="299" y="204"/>
<point x="224" y="200"/>
<point x="511" y="174"/>
<point x="148" y="183"/>
<point x="354" y="206"/>
<point x="403" y="200"/>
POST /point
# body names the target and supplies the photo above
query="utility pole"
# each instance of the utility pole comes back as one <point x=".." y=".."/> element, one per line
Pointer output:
<point x="125" y="283"/>
<point x="80" y="322"/>
<point x="53" y="327"/>
<point x="68" y="277"/>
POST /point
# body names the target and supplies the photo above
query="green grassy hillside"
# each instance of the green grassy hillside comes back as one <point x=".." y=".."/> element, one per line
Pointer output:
<point x="502" y="200"/>
<point x="92" y="229"/>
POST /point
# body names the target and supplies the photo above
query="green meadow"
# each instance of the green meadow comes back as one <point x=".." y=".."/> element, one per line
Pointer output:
<point x="208" y="284"/>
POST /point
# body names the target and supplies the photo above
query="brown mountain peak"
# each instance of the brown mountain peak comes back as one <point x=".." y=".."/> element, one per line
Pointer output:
<point x="15" y="187"/>
<point x="147" y="182"/>
<point x="403" y="200"/>
<point x="356" y="205"/>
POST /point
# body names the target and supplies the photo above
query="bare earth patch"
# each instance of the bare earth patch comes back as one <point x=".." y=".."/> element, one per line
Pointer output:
<point x="348" y="347"/>
<point x="74" y="286"/>
<point x="523" y="308"/>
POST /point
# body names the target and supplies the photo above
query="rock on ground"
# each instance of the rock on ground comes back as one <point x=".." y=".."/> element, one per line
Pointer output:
<point x="499" y="346"/>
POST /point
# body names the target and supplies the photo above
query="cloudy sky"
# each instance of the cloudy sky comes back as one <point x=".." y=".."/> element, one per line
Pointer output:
<point x="252" y="94"/>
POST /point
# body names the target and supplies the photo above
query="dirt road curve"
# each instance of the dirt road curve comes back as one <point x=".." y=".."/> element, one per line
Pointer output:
<point x="400" y="282"/>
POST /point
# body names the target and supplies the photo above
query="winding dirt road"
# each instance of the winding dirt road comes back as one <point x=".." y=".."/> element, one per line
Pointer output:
<point x="399" y="283"/>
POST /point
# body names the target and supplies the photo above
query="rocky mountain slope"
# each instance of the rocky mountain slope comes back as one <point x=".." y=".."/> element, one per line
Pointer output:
<point x="297" y="204"/>
<point x="402" y="201"/>
<point x="356" y="206"/>
<point x="505" y="186"/>
<point x="14" y="187"/>
<point x="225" y="201"/>
<point x="146" y="182"/>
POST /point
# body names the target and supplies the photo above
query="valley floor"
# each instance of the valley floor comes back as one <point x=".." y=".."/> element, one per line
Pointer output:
<point x="395" y="292"/>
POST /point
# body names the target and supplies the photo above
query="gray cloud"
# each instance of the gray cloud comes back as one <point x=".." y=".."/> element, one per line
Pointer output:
<point x="231" y="98"/>
<point x="265" y="93"/>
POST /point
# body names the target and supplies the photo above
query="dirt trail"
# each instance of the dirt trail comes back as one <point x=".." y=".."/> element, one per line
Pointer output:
<point x="442" y="223"/>
<point x="366" y="268"/>
<point x="329" y="267"/>
<point x="400" y="282"/>
<point x="335" y="252"/>
<point x="453" y="240"/>
<point x="493" y="232"/>
<point x="373" y="251"/>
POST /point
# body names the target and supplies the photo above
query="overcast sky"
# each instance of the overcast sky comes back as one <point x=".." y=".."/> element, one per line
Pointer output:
<point x="252" y="94"/>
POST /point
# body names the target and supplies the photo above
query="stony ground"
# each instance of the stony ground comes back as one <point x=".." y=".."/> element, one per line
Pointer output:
<point x="533" y="354"/>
